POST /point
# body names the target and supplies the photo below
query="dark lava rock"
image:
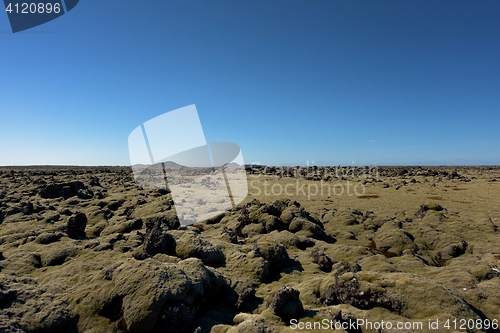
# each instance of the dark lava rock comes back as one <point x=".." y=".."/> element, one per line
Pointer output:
<point x="402" y="172"/>
<point x="193" y="245"/>
<point x="348" y="321"/>
<point x="246" y="301"/>
<point x="141" y="201"/>
<point x="280" y="205"/>
<point x="66" y="212"/>
<point x="349" y="292"/>
<point x="172" y="317"/>
<point x="108" y="274"/>
<point x="156" y="239"/>
<point x="140" y="256"/>
<point x="94" y="181"/>
<point x="424" y="208"/>
<point x="114" y="205"/>
<point x="324" y="262"/>
<point x="169" y="221"/>
<point x="7" y="296"/>
<point x="76" y="225"/>
<point x="260" y="218"/>
<point x="27" y="208"/>
<point x="453" y="250"/>
<point x="286" y="304"/>
<point x="493" y="273"/>
<point x="52" y="217"/>
<point x="133" y="225"/>
<point x="103" y="247"/>
<point x="276" y="254"/>
<point x="64" y="190"/>
<point x="12" y="210"/>
<point x="230" y="235"/>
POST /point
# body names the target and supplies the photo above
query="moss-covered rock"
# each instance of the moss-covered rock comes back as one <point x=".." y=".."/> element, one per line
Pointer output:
<point x="191" y="244"/>
<point x="58" y="254"/>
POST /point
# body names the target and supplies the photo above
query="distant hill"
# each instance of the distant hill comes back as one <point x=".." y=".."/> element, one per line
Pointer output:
<point x="232" y="165"/>
<point x="172" y="165"/>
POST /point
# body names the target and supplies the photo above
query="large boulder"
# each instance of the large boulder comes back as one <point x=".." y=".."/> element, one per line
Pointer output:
<point x="324" y="262"/>
<point x="276" y="254"/>
<point x="76" y="225"/>
<point x="347" y="288"/>
<point x="286" y="304"/>
<point x="157" y="240"/>
<point x="162" y="297"/>
<point x="246" y="300"/>
<point x="167" y="220"/>
<point x="191" y="244"/>
<point x="392" y="239"/>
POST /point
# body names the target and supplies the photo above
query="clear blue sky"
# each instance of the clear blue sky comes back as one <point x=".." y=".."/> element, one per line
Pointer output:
<point x="334" y="82"/>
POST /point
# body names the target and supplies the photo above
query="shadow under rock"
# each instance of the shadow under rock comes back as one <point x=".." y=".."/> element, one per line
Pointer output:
<point x="294" y="265"/>
<point x="483" y="318"/>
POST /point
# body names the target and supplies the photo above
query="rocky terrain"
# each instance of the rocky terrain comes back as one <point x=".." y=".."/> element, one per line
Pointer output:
<point x="85" y="249"/>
